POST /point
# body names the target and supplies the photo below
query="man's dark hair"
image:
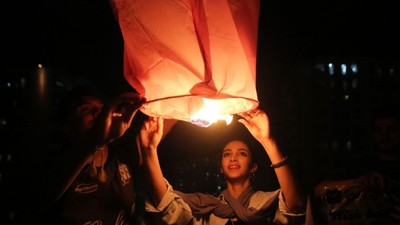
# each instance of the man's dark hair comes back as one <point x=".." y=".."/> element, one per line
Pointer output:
<point x="74" y="98"/>
<point x="387" y="110"/>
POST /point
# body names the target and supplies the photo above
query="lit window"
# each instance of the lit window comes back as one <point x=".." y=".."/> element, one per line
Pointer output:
<point x="331" y="69"/>
<point x="354" y="68"/>
<point x="343" y="67"/>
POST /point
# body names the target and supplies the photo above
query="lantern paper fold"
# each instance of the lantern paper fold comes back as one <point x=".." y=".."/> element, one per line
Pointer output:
<point x="177" y="52"/>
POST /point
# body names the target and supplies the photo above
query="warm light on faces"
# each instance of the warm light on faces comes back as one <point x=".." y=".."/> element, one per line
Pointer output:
<point x="236" y="148"/>
<point x="237" y="161"/>
<point x="236" y="153"/>
<point x="88" y="111"/>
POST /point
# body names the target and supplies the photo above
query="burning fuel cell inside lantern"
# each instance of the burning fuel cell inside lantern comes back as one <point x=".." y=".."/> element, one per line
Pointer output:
<point x="209" y="114"/>
<point x="201" y="122"/>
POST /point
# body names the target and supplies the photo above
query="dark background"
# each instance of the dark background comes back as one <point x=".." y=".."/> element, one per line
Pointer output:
<point x="81" y="40"/>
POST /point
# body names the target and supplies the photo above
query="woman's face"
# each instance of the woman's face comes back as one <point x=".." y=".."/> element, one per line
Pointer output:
<point x="236" y="161"/>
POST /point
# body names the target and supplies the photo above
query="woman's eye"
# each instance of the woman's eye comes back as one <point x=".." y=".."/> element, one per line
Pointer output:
<point x="243" y="153"/>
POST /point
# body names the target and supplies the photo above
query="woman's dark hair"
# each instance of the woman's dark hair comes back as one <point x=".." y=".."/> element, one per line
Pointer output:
<point x="242" y="134"/>
<point x="246" y="142"/>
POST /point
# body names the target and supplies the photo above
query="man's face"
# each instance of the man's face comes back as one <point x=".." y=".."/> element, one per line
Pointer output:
<point x="386" y="134"/>
<point x="88" y="111"/>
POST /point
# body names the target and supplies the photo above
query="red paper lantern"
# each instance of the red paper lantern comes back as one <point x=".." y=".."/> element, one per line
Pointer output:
<point x="183" y="54"/>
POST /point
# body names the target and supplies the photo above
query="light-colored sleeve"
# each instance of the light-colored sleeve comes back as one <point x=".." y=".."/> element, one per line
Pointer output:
<point x="284" y="216"/>
<point x="171" y="209"/>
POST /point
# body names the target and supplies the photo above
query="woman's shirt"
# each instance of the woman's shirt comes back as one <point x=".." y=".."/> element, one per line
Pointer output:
<point x="173" y="210"/>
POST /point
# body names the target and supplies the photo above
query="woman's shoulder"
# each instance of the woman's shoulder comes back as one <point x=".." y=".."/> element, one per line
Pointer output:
<point x="260" y="197"/>
<point x="272" y="193"/>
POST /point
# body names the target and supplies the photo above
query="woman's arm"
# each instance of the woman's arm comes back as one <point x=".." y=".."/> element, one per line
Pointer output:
<point x="150" y="136"/>
<point x="170" y="206"/>
<point x="257" y="123"/>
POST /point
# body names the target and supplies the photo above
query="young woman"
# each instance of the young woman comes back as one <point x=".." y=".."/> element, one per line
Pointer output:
<point x="239" y="203"/>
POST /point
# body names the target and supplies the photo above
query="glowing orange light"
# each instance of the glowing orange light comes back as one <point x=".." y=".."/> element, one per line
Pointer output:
<point x="209" y="114"/>
<point x="185" y="55"/>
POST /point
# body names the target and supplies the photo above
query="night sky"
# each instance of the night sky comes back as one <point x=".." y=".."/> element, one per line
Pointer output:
<point x="82" y="39"/>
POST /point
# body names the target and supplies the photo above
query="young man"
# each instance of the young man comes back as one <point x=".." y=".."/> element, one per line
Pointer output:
<point x="84" y="178"/>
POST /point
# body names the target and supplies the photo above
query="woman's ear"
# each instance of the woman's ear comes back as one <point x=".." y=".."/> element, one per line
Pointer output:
<point x="254" y="168"/>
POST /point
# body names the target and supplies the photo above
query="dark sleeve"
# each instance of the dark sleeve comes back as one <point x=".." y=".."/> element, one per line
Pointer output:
<point x="351" y="167"/>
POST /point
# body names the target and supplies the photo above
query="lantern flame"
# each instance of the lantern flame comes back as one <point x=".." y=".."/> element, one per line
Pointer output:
<point x="209" y="114"/>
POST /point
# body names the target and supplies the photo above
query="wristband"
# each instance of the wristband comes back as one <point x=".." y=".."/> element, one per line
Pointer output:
<point x="281" y="163"/>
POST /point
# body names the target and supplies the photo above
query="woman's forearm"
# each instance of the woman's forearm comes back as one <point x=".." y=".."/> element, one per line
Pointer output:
<point x="292" y="191"/>
<point x="156" y="182"/>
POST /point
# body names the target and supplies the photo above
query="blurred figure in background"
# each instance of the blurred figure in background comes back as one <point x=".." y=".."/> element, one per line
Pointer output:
<point x="368" y="191"/>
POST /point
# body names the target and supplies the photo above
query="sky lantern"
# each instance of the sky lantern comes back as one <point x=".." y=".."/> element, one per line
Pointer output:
<point x="193" y="60"/>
